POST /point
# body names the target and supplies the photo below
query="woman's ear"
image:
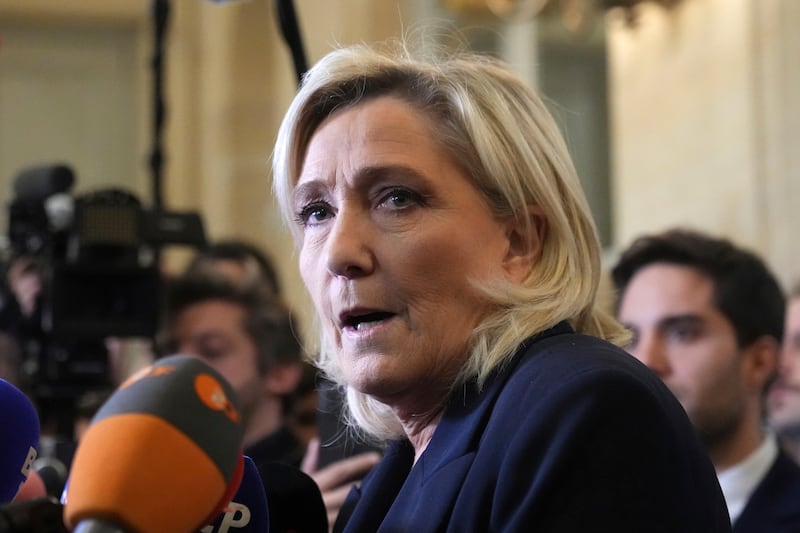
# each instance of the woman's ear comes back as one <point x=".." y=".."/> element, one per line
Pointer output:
<point x="525" y="242"/>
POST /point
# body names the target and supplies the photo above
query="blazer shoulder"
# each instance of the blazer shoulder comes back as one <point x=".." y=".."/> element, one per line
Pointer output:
<point x="574" y="360"/>
<point x="579" y="416"/>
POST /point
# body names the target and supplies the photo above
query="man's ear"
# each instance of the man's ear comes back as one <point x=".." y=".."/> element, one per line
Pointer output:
<point x="525" y="241"/>
<point x="761" y="363"/>
<point x="283" y="378"/>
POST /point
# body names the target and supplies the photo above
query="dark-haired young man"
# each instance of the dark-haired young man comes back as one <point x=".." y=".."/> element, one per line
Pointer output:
<point x="707" y="317"/>
<point x="246" y="334"/>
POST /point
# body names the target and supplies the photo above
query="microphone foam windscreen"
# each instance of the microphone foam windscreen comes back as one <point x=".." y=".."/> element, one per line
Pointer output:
<point x="19" y="439"/>
<point x="160" y="452"/>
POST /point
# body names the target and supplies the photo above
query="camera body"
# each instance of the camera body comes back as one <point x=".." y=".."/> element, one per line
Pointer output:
<point x="98" y="257"/>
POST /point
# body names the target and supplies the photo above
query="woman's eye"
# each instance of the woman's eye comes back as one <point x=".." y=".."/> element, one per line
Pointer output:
<point x="313" y="214"/>
<point x="399" y="198"/>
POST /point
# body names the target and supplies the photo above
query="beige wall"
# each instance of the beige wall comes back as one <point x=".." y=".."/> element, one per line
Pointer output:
<point x="705" y="114"/>
<point x="236" y="78"/>
<point x="229" y="80"/>
<point x="704" y="111"/>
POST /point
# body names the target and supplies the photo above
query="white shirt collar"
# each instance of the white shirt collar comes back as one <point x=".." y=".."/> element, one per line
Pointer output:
<point x="740" y="481"/>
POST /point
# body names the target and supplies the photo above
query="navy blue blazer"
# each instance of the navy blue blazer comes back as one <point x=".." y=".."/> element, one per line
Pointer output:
<point x="573" y="435"/>
<point x="774" y="507"/>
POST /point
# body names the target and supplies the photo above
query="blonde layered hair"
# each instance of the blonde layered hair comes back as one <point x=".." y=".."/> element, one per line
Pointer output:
<point x="508" y="144"/>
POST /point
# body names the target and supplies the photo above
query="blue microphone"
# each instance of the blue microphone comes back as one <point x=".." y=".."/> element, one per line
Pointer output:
<point x="19" y="440"/>
<point x="248" y="511"/>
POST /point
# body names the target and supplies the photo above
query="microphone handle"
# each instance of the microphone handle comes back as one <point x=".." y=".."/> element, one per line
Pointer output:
<point x="40" y="515"/>
<point x="94" y="525"/>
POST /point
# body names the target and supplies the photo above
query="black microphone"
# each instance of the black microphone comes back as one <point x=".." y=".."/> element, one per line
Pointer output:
<point x="294" y="500"/>
<point x="290" y="29"/>
<point x="53" y="473"/>
<point x="34" y="184"/>
<point x="247" y="512"/>
<point x="41" y="515"/>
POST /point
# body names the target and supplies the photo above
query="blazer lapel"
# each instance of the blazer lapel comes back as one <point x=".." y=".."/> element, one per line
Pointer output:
<point x="364" y="510"/>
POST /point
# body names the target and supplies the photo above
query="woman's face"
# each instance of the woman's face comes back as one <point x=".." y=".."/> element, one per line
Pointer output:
<point x="393" y="234"/>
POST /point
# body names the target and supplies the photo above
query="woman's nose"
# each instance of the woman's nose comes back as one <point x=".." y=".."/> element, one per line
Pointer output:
<point x="348" y="250"/>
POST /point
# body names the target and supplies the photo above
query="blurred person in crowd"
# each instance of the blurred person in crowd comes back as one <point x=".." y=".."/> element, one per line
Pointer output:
<point x="246" y="334"/>
<point x="240" y="260"/>
<point x="300" y="406"/>
<point x="453" y="263"/>
<point x="784" y="397"/>
<point x="707" y="317"/>
<point x="10" y="360"/>
<point x="86" y="407"/>
<point x="20" y="318"/>
<point x="245" y="263"/>
<point x="334" y="457"/>
<point x="20" y="297"/>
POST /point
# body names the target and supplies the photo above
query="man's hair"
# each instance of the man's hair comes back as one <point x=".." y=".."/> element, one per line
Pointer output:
<point x="240" y="251"/>
<point x="267" y="320"/>
<point x="745" y="291"/>
<point x="508" y="145"/>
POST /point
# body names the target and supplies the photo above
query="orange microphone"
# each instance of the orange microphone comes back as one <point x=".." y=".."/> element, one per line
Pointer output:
<point x="162" y="455"/>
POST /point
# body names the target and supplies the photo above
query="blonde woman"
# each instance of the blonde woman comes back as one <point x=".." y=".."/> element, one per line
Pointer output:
<point x="453" y="263"/>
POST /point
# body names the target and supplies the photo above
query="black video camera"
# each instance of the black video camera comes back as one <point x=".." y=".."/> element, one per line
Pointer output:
<point x="98" y="257"/>
<point x="98" y="252"/>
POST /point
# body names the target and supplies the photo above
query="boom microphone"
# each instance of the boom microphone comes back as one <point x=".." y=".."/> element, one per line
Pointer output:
<point x="39" y="182"/>
<point x="161" y="455"/>
<point x="19" y="439"/>
<point x="53" y="474"/>
<point x="247" y="512"/>
<point x="290" y="29"/>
